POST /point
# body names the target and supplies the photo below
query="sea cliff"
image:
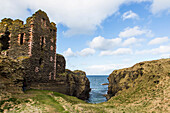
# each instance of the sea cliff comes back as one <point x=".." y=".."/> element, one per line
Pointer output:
<point x="150" y="73"/>
<point x="141" y="88"/>
<point x="13" y="81"/>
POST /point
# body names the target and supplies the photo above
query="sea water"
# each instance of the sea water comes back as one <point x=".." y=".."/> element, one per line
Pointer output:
<point x="97" y="89"/>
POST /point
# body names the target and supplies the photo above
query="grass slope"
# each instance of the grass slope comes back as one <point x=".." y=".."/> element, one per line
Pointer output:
<point x="146" y="96"/>
<point x="139" y="100"/>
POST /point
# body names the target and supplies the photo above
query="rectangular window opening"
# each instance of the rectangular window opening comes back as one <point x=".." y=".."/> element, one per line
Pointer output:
<point x="42" y="42"/>
<point x="22" y="38"/>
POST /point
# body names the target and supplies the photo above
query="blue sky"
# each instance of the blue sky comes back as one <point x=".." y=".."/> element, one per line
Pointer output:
<point x="99" y="36"/>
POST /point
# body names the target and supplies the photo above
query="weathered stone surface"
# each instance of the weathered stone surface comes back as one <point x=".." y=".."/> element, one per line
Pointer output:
<point x="34" y="44"/>
<point x="60" y="63"/>
<point x="73" y="83"/>
<point x="11" y="77"/>
<point x="147" y="73"/>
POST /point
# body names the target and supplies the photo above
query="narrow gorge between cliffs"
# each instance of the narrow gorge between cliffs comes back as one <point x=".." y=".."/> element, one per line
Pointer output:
<point x="97" y="89"/>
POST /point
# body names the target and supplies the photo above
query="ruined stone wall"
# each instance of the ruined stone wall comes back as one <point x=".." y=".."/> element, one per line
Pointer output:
<point x="60" y="63"/>
<point x="34" y="43"/>
<point x="11" y="77"/>
<point x="16" y="34"/>
<point x="41" y="66"/>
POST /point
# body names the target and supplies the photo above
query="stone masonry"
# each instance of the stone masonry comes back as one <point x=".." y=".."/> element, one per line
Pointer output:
<point x="34" y="43"/>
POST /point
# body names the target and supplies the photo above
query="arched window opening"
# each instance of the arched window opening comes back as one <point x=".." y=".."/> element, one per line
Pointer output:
<point x="43" y="22"/>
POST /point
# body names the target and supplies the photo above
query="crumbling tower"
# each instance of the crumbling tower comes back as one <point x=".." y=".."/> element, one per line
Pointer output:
<point x="34" y="43"/>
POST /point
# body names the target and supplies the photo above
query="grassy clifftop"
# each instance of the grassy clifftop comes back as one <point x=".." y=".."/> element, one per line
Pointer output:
<point x="38" y="101"/>
<point x="145" y="87"/>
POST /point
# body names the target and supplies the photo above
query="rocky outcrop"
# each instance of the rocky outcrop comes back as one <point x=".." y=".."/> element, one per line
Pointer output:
<point x="144" y="75"/>
<point x="11" y="77"/>
<point x="73" y="83"/>
<point x="34" y="44"/>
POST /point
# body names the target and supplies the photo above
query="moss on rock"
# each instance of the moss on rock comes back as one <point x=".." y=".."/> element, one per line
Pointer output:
<point x="11" y="77"/>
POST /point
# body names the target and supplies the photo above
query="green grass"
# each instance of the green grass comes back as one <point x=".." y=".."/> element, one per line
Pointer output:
<point x="70" y="99"/>
<point x="43" y="97"/>
<point x="134" y="99"/>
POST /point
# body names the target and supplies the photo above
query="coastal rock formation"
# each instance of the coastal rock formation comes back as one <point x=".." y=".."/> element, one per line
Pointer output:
<point x="11" y="77"/>
<point x="73" y="83"/>
<point x="34" y="45"/>
<point x="141" y="75"/>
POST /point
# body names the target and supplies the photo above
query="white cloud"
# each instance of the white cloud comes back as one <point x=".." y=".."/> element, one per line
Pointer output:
<point x="68" y="53"/>
<point x="159" y="50"/>
<point x="100" y="69"/>
<point x="120" y="51"/>
<point x="130" y="15"/>
<point x="86" y="52"/>
<point x="130" y="41"/>
<point x="104" y="69"/>
<point x="165" y="55"/>
<point x="13" y="8"/>
<point x="103" y="44"/>
<point x="160" y="5"/>
<point x="80" y="16"/>
<point x="159" y="40"/>
<point x="135" y="31"/>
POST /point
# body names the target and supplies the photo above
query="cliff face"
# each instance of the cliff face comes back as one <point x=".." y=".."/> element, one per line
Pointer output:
<point x="11" y="77"/>
<point x="34" y="44"/>
<point x="73" y="83"/>
<point x="145" y="75"/>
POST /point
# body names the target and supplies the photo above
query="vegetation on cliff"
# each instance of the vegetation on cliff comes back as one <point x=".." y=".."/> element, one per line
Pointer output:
<point x="11" y="77"/>
<point x="73" y="83"/>
<point x="13" y="99"/>
<point x="145" y="87"/>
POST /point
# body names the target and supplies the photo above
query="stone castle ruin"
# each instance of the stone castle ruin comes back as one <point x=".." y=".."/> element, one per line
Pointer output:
<point x="34" y="43"/>
<point x="35" y="40"/>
